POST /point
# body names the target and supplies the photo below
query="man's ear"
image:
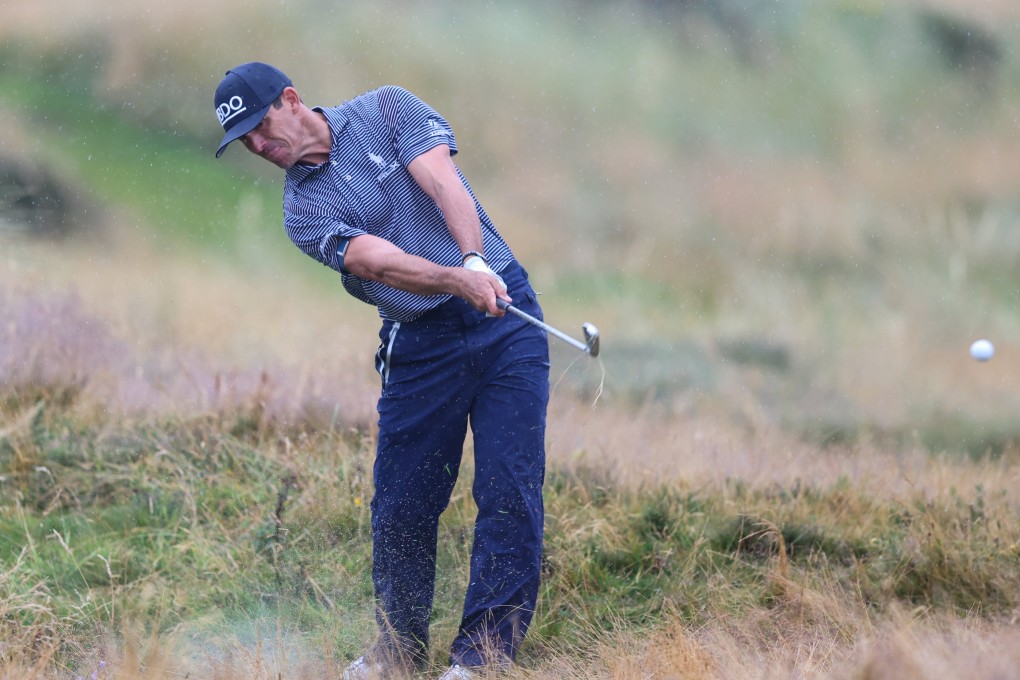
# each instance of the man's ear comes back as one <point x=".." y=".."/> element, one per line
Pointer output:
<point x="290" y="97"/>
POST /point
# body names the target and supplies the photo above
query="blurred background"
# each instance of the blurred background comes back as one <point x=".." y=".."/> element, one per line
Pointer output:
<point x="789" y="215"/>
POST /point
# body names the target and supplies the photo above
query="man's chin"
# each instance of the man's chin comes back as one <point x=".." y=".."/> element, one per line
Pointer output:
<point x="280" y="160"/>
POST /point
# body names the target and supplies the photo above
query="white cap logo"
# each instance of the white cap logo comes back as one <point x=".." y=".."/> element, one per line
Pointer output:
<point x="229" y="109"/>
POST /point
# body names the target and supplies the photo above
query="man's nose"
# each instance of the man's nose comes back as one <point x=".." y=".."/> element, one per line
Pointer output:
<point x="254" y="141"/>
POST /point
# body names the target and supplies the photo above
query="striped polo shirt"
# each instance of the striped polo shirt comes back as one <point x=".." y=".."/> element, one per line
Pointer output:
<point x="365" y="188"/>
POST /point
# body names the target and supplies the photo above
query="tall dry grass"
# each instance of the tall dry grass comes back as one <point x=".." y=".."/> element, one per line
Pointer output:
<point x="144" y="331"/>
<point x="90" y="325"/>
<point x="140" y="331"/>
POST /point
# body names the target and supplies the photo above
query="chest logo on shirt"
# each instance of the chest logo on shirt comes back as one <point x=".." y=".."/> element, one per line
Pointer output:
<point x="385" y="170"/>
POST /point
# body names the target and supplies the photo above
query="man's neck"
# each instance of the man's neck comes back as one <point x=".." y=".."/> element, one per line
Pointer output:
<point x="318" y="130"/>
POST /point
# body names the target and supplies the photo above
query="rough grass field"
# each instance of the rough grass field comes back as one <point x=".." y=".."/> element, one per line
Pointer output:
<point x="170" y="509"/>
<point x="792" y="470"/>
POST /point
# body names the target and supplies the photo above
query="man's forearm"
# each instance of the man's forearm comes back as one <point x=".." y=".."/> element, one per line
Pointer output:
<point x="461" y="218"/>
<point x="410" y="273"/>
<point x="376" y="259"/>
<point x="437" y="175"/>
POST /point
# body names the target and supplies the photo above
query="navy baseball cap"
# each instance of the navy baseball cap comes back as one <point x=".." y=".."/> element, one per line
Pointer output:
<point x="244" y="96"/>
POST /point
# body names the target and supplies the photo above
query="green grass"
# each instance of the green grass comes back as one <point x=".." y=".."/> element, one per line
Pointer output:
<point x="186" y="523"/>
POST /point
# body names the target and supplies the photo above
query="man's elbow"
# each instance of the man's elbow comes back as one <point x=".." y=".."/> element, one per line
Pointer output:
<point x="364" y="259"/>
<point x="371" y="268"/>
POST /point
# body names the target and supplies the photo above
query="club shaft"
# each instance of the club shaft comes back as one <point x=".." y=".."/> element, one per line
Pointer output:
<point x="546" y="327"/>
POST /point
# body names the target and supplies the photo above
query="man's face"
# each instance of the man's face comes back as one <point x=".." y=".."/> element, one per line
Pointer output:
<point x="278" y="138"/>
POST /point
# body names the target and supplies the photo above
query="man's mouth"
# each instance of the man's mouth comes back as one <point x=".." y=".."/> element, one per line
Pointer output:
<point x="271" y="153"/>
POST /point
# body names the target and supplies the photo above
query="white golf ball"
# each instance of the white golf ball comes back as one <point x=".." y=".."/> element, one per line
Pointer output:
<point x="982" y="350"/>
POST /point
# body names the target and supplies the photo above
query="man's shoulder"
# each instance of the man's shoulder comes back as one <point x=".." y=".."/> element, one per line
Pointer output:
<point x="358" y="107"/>
<point x="382" y="97"/>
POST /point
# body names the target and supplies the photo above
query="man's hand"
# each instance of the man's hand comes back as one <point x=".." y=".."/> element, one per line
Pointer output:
<point x="477" y="264"/>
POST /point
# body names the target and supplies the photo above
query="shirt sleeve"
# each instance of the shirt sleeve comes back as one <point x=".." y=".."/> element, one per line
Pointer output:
<point x="319" y="236"/>
<point x="415" y="127"/>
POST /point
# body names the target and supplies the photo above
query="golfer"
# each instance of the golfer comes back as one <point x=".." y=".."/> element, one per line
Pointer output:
<point x="372" y="191"/>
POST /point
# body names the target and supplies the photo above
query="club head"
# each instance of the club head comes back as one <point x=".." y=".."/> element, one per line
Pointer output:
<point x="591" y="338"/>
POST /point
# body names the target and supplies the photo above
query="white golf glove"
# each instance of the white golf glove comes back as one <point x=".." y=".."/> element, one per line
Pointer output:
<point x="477" y="264"/>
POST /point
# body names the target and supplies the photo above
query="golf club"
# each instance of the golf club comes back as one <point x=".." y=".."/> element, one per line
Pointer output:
<point x="590" y="346"/>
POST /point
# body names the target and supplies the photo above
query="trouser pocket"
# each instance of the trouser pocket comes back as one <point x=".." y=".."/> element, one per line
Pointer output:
<point x="384" y="355"/>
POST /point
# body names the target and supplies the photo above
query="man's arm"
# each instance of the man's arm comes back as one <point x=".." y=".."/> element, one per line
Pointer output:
<point x="376" y="259"/>
<point x="436" y="174"/>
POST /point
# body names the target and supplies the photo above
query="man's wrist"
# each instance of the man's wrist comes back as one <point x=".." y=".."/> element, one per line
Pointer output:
<point x="477" y="263"/>
<point x="473" y="253"/>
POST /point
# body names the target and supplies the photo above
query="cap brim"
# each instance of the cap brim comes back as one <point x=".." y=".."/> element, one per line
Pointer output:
<point x="242" y="128"/>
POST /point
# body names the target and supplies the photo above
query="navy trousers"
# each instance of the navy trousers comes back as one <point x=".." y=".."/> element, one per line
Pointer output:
<point x="448" y="370"/>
